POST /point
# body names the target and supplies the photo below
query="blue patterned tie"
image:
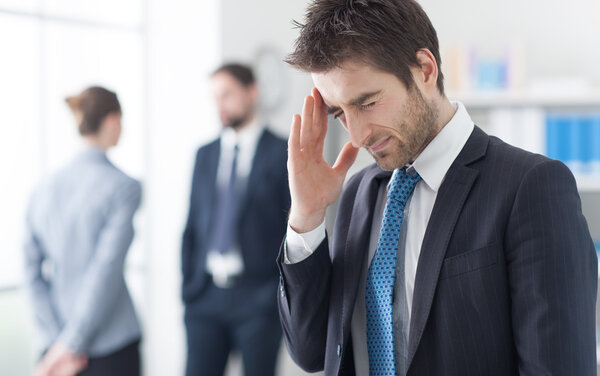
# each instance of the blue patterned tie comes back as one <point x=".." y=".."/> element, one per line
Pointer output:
<point x="382" y="276"/>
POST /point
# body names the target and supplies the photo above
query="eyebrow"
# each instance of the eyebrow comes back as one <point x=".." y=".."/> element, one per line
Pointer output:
<point x="354" y="102"/>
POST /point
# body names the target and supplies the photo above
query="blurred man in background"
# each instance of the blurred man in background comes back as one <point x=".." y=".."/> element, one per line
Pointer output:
<point x="237" y="216"/>
<point x="79" y="229"/>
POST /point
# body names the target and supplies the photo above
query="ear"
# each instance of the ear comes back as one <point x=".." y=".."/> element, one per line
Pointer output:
<point x="253" y="91"/>
<point x="426" y="74"/>
<point x="110" y="122"/>
<point x="110" y="119"/>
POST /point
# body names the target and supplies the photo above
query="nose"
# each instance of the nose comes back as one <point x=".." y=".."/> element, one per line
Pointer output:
<point x="359" y="132"/>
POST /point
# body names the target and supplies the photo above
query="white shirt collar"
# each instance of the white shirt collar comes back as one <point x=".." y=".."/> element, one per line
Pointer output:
<point x="435" y="160"/>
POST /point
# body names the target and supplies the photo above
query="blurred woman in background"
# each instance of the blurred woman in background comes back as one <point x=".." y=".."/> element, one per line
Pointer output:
<point x="78" y="231"/>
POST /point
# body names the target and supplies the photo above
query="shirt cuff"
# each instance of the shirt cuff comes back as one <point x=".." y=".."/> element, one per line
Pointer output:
<point x="299" y="246"/>
<point x="71" y="340"/>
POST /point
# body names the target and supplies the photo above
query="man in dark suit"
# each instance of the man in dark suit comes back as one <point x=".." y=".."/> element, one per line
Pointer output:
<point x="456" y="254"/>
<point x="238" y="209"/>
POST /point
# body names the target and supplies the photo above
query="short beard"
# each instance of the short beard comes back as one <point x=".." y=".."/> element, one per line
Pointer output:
<point x="237" y="122"/>
<point x="417" y="126"/>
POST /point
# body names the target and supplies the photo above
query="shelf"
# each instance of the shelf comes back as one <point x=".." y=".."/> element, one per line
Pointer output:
<point x="588" y="184"/>
<point x="484" y="100"/>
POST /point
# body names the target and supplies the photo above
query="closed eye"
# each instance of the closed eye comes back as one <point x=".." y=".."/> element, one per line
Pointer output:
<point x="362" y="107"/>
<point x="367" y="106"/>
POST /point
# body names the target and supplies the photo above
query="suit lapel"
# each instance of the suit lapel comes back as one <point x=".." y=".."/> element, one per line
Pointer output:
<point x="359" y="232"/>
<point x="208" y="182"/>
<point x="446" y="210"/>
<point x="258" y="170"/>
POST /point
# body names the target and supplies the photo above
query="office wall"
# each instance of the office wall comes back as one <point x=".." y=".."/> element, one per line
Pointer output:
<point x="182" y="50"/>
<point x="247" y="27"/>
<point x="560" y="38"/>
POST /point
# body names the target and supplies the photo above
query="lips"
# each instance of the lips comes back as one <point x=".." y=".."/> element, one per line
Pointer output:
<point x="380" y="145"/>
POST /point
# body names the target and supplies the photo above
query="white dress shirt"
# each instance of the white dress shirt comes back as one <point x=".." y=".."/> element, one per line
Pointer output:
<point x="247" y="140"/>
<point x="224" y="266"/>
<point x="432" y="164"/>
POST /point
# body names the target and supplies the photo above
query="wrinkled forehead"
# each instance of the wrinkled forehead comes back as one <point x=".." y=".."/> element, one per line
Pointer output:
<point x="343" y="85"/>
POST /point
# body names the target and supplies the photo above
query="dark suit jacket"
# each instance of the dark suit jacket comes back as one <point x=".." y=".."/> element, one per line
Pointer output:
<point x="506" y="280"/>
<point x="262" y="221"/>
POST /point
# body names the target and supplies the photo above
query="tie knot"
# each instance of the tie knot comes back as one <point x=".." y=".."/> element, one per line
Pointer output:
<point x="402" y="185"/>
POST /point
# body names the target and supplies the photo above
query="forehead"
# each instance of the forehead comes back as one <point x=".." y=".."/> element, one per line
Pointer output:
<point x="224" y="80"/>
<point x="340" y="85"/>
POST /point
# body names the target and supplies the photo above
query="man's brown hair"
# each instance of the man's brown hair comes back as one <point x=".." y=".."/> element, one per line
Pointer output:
<point x="240" y="72"/>
<point x="383" y="33"/>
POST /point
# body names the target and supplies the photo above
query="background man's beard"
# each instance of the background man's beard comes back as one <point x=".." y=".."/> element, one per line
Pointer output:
<point x="236" y="123"/>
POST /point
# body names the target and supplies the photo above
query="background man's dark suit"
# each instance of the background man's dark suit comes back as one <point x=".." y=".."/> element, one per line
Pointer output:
<point x="261" y="226"/>
<point x="506" y="281"/>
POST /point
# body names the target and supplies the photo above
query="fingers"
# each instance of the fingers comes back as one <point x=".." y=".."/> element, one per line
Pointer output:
<point x="44" y="367"/>
<point x="320" y="117"/>
<point x="309" y="130"/>
<point x="320" y="112"/>
<point x="74" y="365"/>
<point x="312" y="123"/>
<point x="41" y="370"/>
<point x="345" y="159"/>
<point x="306" y="129"/>
<point x="69" y="365"/>
<point x="294" y="139"/>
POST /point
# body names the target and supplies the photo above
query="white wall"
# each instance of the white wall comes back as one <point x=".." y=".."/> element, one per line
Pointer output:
<point x="248" y="26"/>
<point x="183" y="49"/>
<point x="560" y="37"/>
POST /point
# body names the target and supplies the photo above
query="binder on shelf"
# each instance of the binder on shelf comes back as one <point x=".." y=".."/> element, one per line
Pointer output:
<point x="574" y="138"/>
<point x="576" y="144"/>
<point x="594" y="148"/>
<point x="569" y="136"/>
<point x="501" y="124"/>
<point x="523" y="127"/>
<point x="557" y="131"/>
<point x="532" y="126"/>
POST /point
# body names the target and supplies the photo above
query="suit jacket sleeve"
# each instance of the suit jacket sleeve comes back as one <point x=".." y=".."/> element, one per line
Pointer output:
<point x="552" y="270"/>
<point x="188" y="241"/>
<point x="304" y="306"/>
<point x="100" y="289"/>
<point x="38" y="288"/>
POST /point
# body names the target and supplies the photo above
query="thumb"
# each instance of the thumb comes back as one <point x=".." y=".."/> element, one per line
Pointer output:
<point x="345" y="159"/>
